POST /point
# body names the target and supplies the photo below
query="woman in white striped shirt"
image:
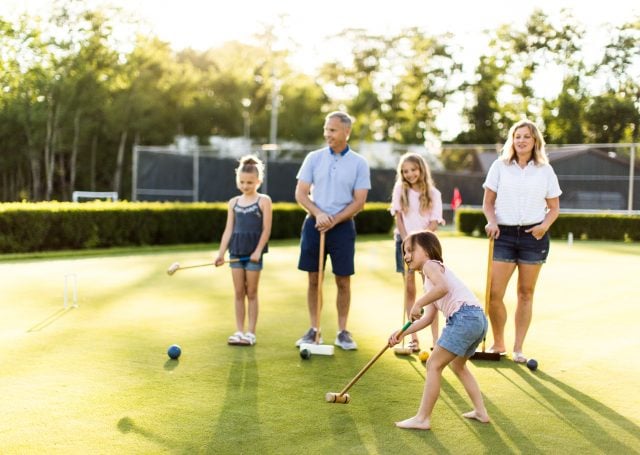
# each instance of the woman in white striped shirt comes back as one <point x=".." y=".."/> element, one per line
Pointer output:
<point x="521" y="202"/>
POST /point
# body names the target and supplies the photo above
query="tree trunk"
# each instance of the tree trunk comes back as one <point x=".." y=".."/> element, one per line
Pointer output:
<point x="33" y="159"/>
<point x="92" y="171"/>
<point x="64" y="193"/>
<point x="117" y="177"/>
<point x="49" y="150"/>
<point x="74" y="151"/>
<point x="36" y="170"/>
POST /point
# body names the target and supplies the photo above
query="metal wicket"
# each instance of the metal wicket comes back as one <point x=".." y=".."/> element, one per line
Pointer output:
<point x="70" y="287"/>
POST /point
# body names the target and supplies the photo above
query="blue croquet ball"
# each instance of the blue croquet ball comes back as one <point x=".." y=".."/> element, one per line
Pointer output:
<point x="305" y="354"/>
<point x="174" y="351"/>
<point x="532" y="364"/>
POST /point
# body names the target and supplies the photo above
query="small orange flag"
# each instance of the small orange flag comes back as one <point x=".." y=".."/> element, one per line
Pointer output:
<point x="456" y="201"/>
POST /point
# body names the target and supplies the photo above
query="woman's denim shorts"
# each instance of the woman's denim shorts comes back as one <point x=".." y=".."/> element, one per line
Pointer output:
<point x="464" y="331"/>
<point x="516" y="245"/>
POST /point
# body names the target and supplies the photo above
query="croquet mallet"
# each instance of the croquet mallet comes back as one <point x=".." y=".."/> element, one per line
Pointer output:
<point x="343" y="397"/>
<point x="173" y="268"/>
<point x="483" y="355"/>
<point x="403" y="350"/>
<point x="317" y="348"/>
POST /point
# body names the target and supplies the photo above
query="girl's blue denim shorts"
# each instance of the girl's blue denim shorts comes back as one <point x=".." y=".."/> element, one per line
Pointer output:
<point x="247" y="265"/>
<point x="464" y="331"/>
<point x="516" y="245"/>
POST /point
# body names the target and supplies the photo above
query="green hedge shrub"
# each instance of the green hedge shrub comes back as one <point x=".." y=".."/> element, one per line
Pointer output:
<point x="600" y="226"/>
<point x="48" y="226"/>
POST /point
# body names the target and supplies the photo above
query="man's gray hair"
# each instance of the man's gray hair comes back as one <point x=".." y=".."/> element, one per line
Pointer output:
<point x="342" y="116"/>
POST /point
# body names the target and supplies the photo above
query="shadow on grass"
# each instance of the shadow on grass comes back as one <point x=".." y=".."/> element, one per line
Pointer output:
<point x="592" y="429"/>
<point x="238" y="429"/>
<point x="127" y="425"/>
<point x="53" y="317"/>
<point x="487" y="434"/>
<point x="588" y="417"/>
<point x="171" y="364"/>
<point x="458" y="403"/>
<point x="577" y="417"/>
<point x="415" y="363"/>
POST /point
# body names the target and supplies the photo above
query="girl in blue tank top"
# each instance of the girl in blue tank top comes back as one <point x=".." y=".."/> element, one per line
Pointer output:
<point x="245" y="236"/>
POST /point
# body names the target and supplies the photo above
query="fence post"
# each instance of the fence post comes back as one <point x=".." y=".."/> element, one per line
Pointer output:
<point x="632" y="159"/>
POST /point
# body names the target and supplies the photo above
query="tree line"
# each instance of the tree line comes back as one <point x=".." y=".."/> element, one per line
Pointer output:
<point x="75" y="98"/>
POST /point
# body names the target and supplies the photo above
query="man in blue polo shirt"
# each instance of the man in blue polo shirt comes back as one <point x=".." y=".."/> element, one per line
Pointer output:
<point x="333" y="183"/>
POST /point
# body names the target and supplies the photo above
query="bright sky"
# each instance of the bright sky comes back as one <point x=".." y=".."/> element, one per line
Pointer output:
<point x="203" y="24"/>
<point x="207" y="23"/>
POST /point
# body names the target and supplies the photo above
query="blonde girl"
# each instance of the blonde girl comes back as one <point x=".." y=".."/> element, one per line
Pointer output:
<point x="416" y="205"/>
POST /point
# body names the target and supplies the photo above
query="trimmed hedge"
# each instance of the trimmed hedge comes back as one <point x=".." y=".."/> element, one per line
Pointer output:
<point x="600" y="226"/>
<point x="47" y="226"/>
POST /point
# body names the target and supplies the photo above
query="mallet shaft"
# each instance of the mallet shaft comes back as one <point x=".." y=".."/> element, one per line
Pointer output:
<point x="483" y="355"/>
<point x="194" y="266"/>
<point x="319" y="301"/>
<point x="363" y="371"/>
<point x="180" y="267"/>
<point x="371" y="362"/>
<point x="487" y="289"/>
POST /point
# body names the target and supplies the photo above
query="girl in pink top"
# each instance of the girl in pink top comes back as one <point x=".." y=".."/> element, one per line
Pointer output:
<point x="416" y="205"/>
<point x="465" y="328"/>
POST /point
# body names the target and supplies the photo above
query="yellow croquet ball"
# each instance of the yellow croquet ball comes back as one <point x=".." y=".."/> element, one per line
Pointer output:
<point x="423" y="356"/>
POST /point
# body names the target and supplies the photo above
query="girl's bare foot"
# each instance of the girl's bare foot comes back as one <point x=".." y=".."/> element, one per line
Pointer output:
<point x="498" y="349"/>
<point x="479" y="416"/>
<point x="415" y="423"/>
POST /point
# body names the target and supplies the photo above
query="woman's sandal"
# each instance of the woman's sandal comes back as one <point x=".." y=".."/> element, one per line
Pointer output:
<point x="237" y="339"/>
<point x="493" y="351"/>
<point x="518" y="357"/>
<point x="414" y="346"/>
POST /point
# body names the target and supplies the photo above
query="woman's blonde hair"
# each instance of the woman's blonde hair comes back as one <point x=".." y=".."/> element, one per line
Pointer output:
<point x="539" y="155"/>
<point x="425" y="183"/>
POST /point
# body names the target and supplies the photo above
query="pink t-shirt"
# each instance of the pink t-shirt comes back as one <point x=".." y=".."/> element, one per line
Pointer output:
<point x="459" y="294"/>
<point x="412" y="218"/>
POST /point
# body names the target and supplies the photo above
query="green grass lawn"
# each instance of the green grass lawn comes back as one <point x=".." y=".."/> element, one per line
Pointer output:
<point x="96" y="379"/>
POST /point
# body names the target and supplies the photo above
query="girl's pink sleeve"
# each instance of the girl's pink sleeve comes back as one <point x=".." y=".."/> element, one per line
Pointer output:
<point x="395" y="199"/>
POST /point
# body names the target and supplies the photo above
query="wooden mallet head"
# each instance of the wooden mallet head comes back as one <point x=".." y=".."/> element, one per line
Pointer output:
<point x="332" y="397"/>
<point x="399" y="350"/>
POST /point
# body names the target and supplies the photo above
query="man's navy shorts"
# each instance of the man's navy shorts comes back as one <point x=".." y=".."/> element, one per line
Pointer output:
<point x="340" y="245"/>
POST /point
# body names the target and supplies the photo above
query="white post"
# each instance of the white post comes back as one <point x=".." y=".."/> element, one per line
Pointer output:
<point x="246" y="130"/>
<point x="266" y="150"/>
<point x="71" y="281"/>
<point x="275" y="105"/>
